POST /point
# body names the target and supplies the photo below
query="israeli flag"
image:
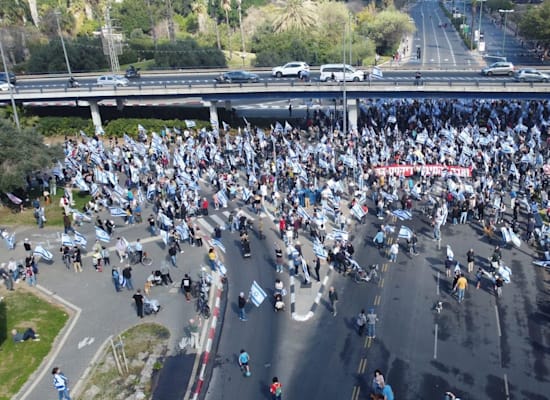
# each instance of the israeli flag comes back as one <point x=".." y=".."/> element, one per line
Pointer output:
<point x="10" y="241"/>
<point x="323" y="164"/>
<point x="117" y="212"/>
<point x="66" y="240"/>
<point x="218" y="244"/>
<point x="79" y="182"/>
<point x="164" y="220"/>
<point x="257" y="294"/>
<point x="190" y="123"/>
<point x="405" y="233"/>
<point x="140" y="197"/>
<point x="43" y="253"/>
<point x="80" y="239"/>
<point x="80" y="215"/>
<point x="358" y="211"/>
<point x="94" y="190"/>
<point x="102" y="235"/>
<point x="164" y="236"/>
<point x="288" y="127"/>
<point x="402" y="214"/>
<point x="246" y="194"/>
<point x="183" y="231"/>
<point x="340" y="234"/>
<point x="151" y="192"/>
<point x="319" y="250"/>
<point x="226" y="126"/>
<point x="303" y="213"/>
<point x="377" y="73"/>
<point x="222" y="198"/>
<point x="211" y="174"/>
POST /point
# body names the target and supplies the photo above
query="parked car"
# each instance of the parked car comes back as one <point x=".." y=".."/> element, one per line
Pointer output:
<point x="499" y="68"/>
<point x="5" y="86"/>
<point x="132" y="73"/>
<point x="531" y="75"/>
<point x="11" y="77"/>
<point x="335" y="72"/>
<point x="112" y="80"/>
<point x="294" y="68"/>
<point x="237" y="77"/>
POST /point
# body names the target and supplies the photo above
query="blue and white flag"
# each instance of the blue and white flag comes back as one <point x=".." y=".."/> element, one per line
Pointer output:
<point x="43" y="253"/>
<point x="101" y="235"/>
<point x="117" y="212"/>
<point x="66" y="240"/>
<point x="217" y="243"/>
<point x="358" y="211"/>
<point x="340" y="234"/>
<point x="164" y="236"/>
<point x="288" y="127"/>
<point x="405" y="232"/>
<point x="403" y="215"/>
<point x="80" y="239"/>
<point x="222" y="198"/>
<point x="10" y="241"/>
<point x="257" y="294"/>
<point x="246" y="194"/>
<point x="140" y="197"/>
<point x="303" y="213"/>
<point x="164" y="220"/>
<point x="79" y="183"/>
<point x="183" y="231"/>
<point x="190" y="123"/>
<point x="80" y="216"/>
<point x="151" y="191"/>
<point x="211" y="174"/>
<point x="94" y="190"/>
<point x="319" y="250"/>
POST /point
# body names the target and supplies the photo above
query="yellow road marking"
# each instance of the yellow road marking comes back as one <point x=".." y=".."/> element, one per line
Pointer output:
<point x="362" y="366"/>
<point x="381" y="283"/>
<point x="355" y="393"/>
<point x="377" y="300"/>
<point x="385" y="267"/>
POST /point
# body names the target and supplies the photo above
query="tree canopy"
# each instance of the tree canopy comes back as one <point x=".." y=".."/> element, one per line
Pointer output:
<point x="535" y="23"/>
<point x="21" y="154"/>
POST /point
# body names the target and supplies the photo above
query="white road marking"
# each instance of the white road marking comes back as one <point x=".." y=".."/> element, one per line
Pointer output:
<point x="219" y="221"/>
<point x="209" y="228"/>
<point x="498" y="321"/>
<point x="435" y="342"/>
<point x="437" y="283"/>
<point x="506" y="389"/>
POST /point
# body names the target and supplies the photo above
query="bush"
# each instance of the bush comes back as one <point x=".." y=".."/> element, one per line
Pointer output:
<point x="129" y="126"/>
<point x="60" y="126"/>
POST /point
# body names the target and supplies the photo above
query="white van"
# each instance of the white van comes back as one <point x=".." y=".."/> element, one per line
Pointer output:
<point x="335" y="72"/>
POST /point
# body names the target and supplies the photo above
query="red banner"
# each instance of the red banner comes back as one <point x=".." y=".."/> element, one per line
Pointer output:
<point x="432" y="169"/>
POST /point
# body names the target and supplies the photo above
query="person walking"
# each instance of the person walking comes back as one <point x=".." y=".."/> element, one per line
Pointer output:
<point x="165" y="275"/>
<point x="471" y="258"/>
<point x="138" y="298"/>
<point x="460" y="287"/>
<point x="414" y="243"/>
<point x="372" y="318"/>
<point x="67" y="224"/>
<point x="127" y="275"/>
<point x="61" y="384"/>
<point x="77" y="260"/>
<point x="361" y="321"/>
<point x="317" y="263"/>
<point x="186" y="284"/>
<point x="333" y="297"/>
<point x="276" y="389"/>
<point x="278" y="259"/>
<point x="394" y="250"/>
<point x="242" y="304"/>
<point x="116" y="278"/>
<point x="172" y="252"/>
<point x="479" y="276"/>
<point x="244" y="359"/>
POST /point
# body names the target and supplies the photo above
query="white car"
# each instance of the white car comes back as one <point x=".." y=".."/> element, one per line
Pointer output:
<point x="112" y="80"/>
<point x="294" y="68"/>
<point x="531" y="75"/>
<point x="5" y="86"/>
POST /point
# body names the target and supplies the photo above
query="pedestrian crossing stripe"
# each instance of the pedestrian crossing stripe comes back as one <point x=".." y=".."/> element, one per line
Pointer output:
<point x="219" y="221"/>
<point x="209" y="228"/>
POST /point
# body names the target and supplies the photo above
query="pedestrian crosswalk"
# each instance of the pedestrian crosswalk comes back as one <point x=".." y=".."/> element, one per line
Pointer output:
<point x="209" y="222"/>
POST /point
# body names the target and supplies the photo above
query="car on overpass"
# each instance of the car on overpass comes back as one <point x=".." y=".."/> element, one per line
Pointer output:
<point x="132" y="72"/>
<point x="112" y="80"/>
<point x="5" y="86"/>
<point x="237" y="76"/>
<point x="10" y="77"/>
<point x="499" y="68"/>
<point x="294" y="68"/>
<point x="531" y="75"/>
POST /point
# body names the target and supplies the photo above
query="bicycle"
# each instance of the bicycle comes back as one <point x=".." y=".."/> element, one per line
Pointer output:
<point x="133" y="258"/>
<point x="202" y="306"/>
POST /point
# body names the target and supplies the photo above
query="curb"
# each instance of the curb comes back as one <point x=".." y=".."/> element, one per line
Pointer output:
<point x="304" y="317"/>
<point x="209" y="342"/>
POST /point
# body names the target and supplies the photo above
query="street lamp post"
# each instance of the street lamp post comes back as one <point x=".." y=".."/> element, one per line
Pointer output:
<point x="57" y="14"/>
<point x="505" y="12"/>
<point x="344" y="96"/>
<point x="480" y="13"/>
<point x="15" y="115"/>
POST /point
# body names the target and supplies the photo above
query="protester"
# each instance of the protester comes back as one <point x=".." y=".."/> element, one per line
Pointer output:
<point x="28" y="334"/>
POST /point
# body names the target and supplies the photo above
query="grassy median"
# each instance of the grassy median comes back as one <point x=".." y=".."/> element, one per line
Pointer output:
<point x="21" y="309"/>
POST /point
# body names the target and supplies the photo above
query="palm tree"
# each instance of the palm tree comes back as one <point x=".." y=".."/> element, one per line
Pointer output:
<point x="34" y="11"/>
<point x="226" y="5"/>
<point x="295" y="15"/>
<point x="239" y="3"/>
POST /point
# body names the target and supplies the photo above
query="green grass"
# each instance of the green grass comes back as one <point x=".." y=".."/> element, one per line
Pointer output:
<point x="22" y="309"/>
<point x="54" y="213"/>
<point x="144" y="65"/>
<point x="105" y="376"/>
<point x="236" y="62"/>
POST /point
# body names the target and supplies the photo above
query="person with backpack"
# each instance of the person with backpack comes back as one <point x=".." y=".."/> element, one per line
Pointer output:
<point x="276" y="389"/>
<point x="61" y="384"/>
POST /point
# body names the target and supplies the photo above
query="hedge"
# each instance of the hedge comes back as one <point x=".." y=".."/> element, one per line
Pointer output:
<point x="60" y="126"/>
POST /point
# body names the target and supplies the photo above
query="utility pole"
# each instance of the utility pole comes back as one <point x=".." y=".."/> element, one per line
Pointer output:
<point x="57" y="14"/>
<point x="344" y="94"/>
<point x="505" y="12"/>
<point x="15" y="115"/>
<point x="113" y="57"/>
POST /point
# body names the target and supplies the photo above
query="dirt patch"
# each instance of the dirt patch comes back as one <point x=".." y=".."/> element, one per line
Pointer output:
<point x="139" y="354"/>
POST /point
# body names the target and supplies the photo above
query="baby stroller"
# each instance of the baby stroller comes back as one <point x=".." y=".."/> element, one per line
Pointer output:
<point x="279" y="303"/>
<point x="150" y="306"/>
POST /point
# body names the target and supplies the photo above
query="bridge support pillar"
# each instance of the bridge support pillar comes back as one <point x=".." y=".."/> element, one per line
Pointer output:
<point x="214" y="121"/>
<point x="96" y="117"/>
<point x="353" y="113"/>
<point x="227" y="105"/>
<point x="119" y="104"/>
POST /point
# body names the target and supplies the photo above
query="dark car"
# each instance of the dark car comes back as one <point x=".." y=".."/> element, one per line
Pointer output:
<point x="237" y="77"/>
<point x="11" y="75"/>
<point x="132" y="72"/>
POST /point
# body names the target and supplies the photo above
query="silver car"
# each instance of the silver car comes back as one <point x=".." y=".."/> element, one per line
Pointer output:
<point x="499" y="68"/>
<point x="112" y="80"/>
<point x="531" y="75"/>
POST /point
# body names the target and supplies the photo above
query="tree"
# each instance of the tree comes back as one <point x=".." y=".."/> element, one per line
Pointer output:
<point x="226" y="5"/>
<point x="14" y="12"/>
<point x="21" y="154"/>
<point x="298" y="15"/>
<point x="387" y="29"/>
<point x="33" y="9"/>
<point x="239" y="6"/>
<point x="187" y="53"/>
<point x="534" y="24"/>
